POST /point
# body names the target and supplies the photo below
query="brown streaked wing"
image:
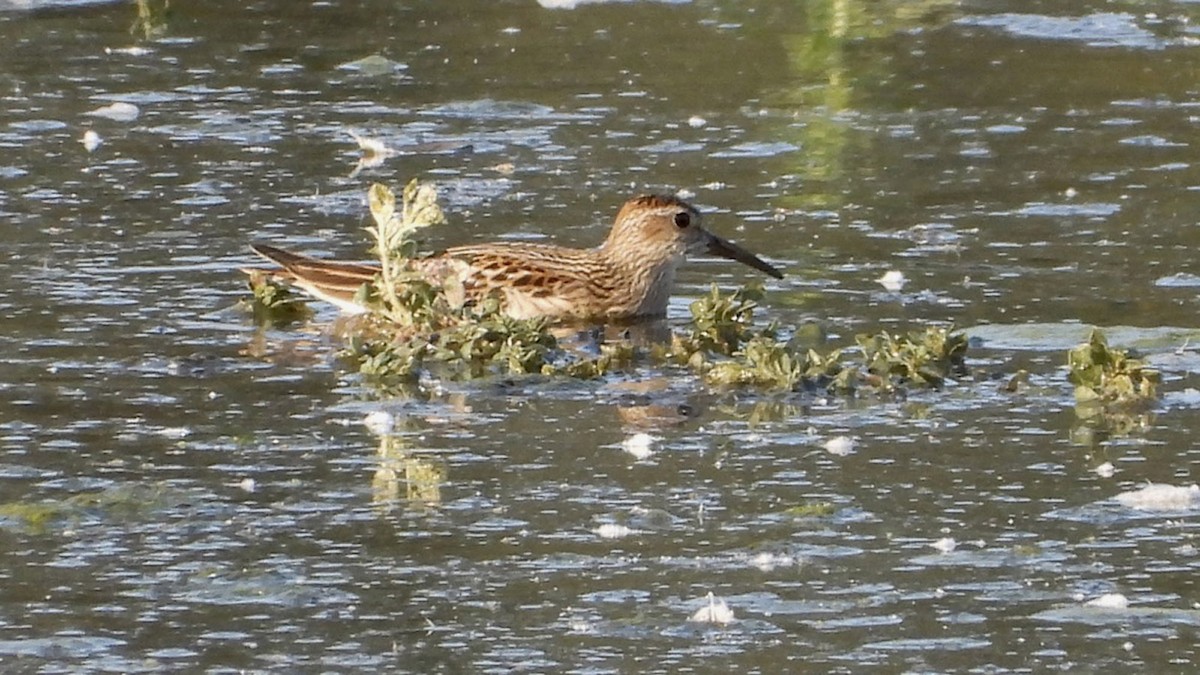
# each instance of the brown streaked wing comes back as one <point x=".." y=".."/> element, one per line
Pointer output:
<point x="335" y="278"/>
<point x="537" y="270"/>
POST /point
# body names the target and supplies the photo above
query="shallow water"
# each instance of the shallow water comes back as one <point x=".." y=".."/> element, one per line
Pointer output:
<point x="179" y="490"/>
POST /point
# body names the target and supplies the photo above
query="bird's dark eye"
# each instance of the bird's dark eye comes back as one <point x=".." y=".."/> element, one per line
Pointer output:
<point x="683" y="219"/>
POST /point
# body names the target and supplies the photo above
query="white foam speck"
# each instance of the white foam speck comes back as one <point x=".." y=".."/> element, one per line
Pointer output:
<point x="1109" y="601"/>
<point x="1160" y="497"/>
<point x="893" y="280"/>
<point x="380" y="422"/>
<point x="91" y="140"/>
<point x="582" y="627"/>
<point x="613" y="531"/>
<point x="118" y="112"/>
<point x="128" y="51"/>
<point x="175" y="432"/>
<point x="640" y="445"/>
<point x="767" y="561"/>
<point x="840" y="446"/>
<point x="945" y="544"/>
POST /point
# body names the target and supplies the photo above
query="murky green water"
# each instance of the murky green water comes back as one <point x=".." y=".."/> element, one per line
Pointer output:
<point x="181" y="491"/>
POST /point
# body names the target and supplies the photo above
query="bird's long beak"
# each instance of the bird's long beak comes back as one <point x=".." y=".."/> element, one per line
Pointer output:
<point x="727" y="249"/>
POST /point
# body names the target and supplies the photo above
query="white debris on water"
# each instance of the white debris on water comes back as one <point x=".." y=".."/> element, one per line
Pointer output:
<point x="1105" y="470"/>
<point x="893" y="280"/>
<point x="613" y="531"/>
<point x="640" y="445"/>
<point x="372" y="146"/>
<point x="767" y="561"/>
<point x="696" y="121"/>
<point x="716" y="611"/>
<point x="1161" y="497"/>
<point x="128" y="51"/>
<point x="91" y="140"/>
<point x="581" y="627"/>
<point x="375" y="65"/>
<point x="945" y="544"/>
<point x="1109" y="601"/>
<point x="118" y="112"/>
<point x="380" y="422"/>
<point x="840" y="446"/>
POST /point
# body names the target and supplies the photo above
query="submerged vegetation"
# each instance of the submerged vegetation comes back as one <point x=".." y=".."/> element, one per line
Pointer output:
<point x="122" y="502"/>
<point x="418" y="325"/>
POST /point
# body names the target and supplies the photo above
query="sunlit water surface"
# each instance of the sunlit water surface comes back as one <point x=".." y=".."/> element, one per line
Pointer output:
<point x="181" y="490"/>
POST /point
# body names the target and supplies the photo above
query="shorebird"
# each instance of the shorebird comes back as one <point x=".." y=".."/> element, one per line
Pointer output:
<point x="628" y="276"/>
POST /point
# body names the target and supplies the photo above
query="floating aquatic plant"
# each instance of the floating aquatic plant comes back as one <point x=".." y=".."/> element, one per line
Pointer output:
<point x="761" y="362"/>
<point x="400" y="296"/>
<point x="811" y="509"/>
<point x="417" y="324"/>
<point x="1108" y="376"/>
<point x="723" y="326"/>
<point x="723" y="323"/>
<point x="922" y="357"/>
<point x="273" y="303"/>
<point x="1112" y="389"/>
